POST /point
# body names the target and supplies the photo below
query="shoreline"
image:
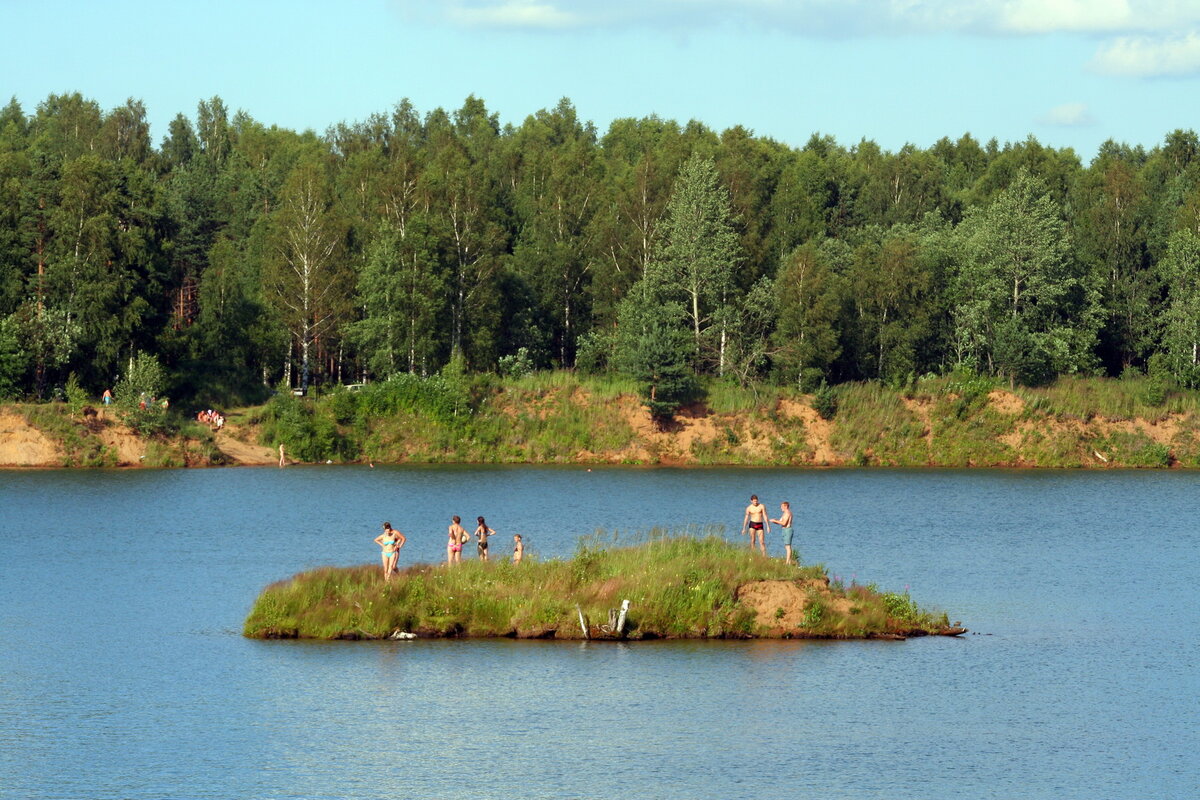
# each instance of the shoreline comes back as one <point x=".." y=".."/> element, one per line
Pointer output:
<point x="565" y="419"/>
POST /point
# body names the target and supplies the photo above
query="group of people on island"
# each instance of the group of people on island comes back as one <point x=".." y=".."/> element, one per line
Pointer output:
<point x="391" y="540"/>
<point x="756" y="521"/>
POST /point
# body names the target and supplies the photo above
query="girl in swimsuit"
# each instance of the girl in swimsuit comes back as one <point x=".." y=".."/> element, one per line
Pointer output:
<point x="457" y="535"/>
<point x="518" y="548"/>
<point x="391" y="540"/>
<point x="482" y="533"/>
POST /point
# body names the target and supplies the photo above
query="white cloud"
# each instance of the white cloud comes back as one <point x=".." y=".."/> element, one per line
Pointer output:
<point x="830" y="17"/>
<point x="1047" y="16"/>
<point x="513" y="14"/>
<point x="1144" y="57"/>
<point x="1068" y="115"/>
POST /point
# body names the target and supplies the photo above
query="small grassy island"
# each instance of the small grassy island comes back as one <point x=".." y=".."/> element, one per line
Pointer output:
<point x="678" y="587"/>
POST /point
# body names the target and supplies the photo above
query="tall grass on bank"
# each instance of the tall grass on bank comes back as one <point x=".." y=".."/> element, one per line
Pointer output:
<point x="679" y="586"/>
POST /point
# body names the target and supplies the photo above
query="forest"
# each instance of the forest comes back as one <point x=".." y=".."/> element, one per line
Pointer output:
<point x="243" y="256"/>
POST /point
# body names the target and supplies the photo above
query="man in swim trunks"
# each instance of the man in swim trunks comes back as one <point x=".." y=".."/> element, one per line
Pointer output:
<point x="756" y="519"/>
<point x="785" y="527"/>
<point x="457" y="535"/>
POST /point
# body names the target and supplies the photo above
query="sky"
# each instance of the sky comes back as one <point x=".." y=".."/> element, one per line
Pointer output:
<point x="1073" y="73"/>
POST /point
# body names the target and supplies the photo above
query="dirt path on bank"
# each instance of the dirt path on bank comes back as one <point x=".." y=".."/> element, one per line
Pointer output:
<point x="239" y="452"/>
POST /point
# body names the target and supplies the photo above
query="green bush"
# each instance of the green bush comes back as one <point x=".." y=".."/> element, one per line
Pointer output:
<point x="517" y="365"/>
<point x="825" y="401"/>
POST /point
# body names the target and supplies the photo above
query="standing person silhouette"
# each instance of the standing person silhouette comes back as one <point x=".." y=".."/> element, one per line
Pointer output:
<point x="482" y="533"/>
<point x="391" y="540"/>
<point x="457" y="536"/>
<point x="756" y="519"/>
<point x="785" y="527"/>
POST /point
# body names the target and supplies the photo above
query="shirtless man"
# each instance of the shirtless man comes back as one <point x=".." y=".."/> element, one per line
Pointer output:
<point x="756" y="519"/>
<point x="457" y="535"/>
<point x="785" y="525"/>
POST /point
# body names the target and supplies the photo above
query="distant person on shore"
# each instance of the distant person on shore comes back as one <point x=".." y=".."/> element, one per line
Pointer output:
<point x="755" y="520"/>
<point x="391" y="540"/>
<point x="107" y="397"/>
<point x="458" y="536"/>
<point x="282" y="459"/>
<point x="482" y="533"/>
<point x="785" y="527"/>
<point x="518" y="548"/>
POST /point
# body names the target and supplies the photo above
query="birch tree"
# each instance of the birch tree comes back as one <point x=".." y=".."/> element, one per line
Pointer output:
<point x="306" y="272"/>
<point x="1181" y="334"/>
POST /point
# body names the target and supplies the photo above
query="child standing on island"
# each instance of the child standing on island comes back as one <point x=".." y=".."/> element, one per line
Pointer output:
<point x="518" y="548"/>
<point x="785" y="525"/>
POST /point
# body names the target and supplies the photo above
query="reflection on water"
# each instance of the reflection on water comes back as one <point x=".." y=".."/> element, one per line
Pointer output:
<point x="122" y="673"/>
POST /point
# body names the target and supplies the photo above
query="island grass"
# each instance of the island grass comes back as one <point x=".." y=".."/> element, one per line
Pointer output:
<point x="678" y="586"/>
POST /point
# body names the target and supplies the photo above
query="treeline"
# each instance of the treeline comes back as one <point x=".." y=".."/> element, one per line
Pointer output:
<point x="241" y="254"/>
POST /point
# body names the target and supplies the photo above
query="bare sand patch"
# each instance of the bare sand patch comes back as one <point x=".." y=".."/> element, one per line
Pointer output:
<point x="817" y="430"/>
<point x="767" y="599"/>
<point x="22" y="445"/>
<point x="1006" y="402"/>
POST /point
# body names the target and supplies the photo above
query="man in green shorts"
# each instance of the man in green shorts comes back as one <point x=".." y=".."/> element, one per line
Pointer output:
<point x="785" y="527"/>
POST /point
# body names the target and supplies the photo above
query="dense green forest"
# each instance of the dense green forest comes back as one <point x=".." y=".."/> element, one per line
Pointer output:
<point x="240" y="254"/>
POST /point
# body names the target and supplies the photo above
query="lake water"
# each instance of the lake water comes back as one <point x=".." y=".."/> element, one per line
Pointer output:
<point x="123" y="673"/>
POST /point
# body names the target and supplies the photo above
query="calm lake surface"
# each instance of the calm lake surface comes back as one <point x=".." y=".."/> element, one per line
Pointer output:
<point x="123" y="673"/>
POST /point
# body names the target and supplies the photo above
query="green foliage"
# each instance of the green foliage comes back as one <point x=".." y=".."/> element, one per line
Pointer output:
<point x="239" y="252"/>
<point x="137" y="397"/>
<point x="825" y="401"/>
<point x="77" y="398"/>
<point x="517" y="365"/>
<point x="12" y="358"/>
<point x="654" y="350"/>
<point x="306" y="434"/>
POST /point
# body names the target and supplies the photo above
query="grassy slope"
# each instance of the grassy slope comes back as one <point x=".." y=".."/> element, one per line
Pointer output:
<point x="678" y="587"/>
<point x="560" y="417"/>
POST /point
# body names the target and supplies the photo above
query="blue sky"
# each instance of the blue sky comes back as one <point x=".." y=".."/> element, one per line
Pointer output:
<point x="1071" y="72"/>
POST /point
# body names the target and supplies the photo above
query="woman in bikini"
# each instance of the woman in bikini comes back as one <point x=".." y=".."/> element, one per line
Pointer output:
<point x="518" y="548"/>
<point x="482" y="533"/>
<point x="391" y="540"/>
<point x="457" y="535"/>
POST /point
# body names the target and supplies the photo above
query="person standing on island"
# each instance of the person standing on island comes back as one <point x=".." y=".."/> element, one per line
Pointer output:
<point x="282" y="460"/>
<point x="458" y="536"/>
<point x="756" y="519"/>
<point x="518" y="548"/>
<point x="785" y="527"/>
<point x="391" y="540"/>
<point x="482" y="533"/>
